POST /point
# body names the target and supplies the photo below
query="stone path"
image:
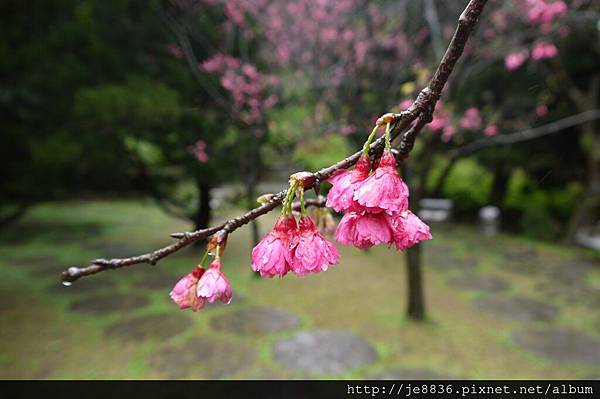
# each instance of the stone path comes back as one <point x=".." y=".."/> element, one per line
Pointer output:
<point x="518" y="308"/>
<point x="254" y="321"/>
<point x="156" y="326"/>
<point x="202" y="357"/>
<point x="560" y="344"/>
<point x="154" y="279"/>
<point x="84" y="285"/>
<point x="108" y="303"/>
<point x="410" y="374"/>
<point x="478" y="283"/>
<point x="324" y="352"/>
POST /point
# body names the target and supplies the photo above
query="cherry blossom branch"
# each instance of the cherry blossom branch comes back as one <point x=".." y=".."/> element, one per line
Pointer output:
<point x="527" y="134"/>
<point x="421" y="111"/>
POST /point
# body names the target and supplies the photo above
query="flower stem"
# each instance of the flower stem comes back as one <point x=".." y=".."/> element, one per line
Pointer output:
<point x="203" y="259"/>
<point x="388" y="144"/>
<point x="370" y="139"/>
<point x="287" y="201"/>
<point x="302" y="207"/>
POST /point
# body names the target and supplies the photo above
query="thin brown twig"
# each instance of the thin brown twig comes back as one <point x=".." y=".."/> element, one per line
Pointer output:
<point x="421" y="109"/>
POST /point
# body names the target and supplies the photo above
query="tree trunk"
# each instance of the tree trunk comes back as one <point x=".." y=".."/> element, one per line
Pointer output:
<point x="251" y="199"/>
<point x="414" y="277"/>
<point x="201" y="216"/>
<point x="416" y="298"/>
<point x="203" y="211"/>
<point x="499" y="185"/>
<point x="251" y="166"/>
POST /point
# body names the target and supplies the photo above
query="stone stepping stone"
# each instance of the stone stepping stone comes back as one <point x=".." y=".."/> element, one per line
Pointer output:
<point x="410" y="374"/>
<point x="560" y="344"/>
<point x="86" y="284"/>
<point x="109" y="251"/>
<point x="107" y="303"/>
<point x="451" y="263"/>
<point x="513" y="253"/>
<point x="39" y="265"/>
<point x="155" y="279"/>
<point x="202" y="357"/>
<point x="478" y="283"/>
<point x="156" y="326"/>
<point x="255" y="321"/>
<point x="518" y="308"/>
<point x="324" y="352"/>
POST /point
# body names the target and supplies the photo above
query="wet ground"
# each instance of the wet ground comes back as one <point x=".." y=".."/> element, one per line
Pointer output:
<point x="498" y="307"/>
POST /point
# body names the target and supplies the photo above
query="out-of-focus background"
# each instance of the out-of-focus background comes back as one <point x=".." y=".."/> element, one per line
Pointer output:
<point x="126" y="120"/>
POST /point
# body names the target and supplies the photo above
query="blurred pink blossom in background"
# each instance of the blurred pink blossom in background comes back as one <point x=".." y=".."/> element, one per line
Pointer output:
<point x="199" y="151"/>
<point x="514" y="61"/>
<point x="543" y="50"/>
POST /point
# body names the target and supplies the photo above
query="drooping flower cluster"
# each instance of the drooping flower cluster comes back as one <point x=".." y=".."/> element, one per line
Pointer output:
<point x="375" y="204"/>
<point x="202" y="286"/>
<point x="293" y="246"/>
<point x="374" y="199"/>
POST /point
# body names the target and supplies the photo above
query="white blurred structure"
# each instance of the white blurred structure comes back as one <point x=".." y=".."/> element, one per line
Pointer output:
<point x="589" y="237"/>
<point x="435" y="209"/>
<point x="489" y="220"/>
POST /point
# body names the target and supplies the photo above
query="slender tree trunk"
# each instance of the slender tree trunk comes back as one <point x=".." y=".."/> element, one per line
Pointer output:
<point x="414" y="276"/>
<point x="251" y="167"/>
<point x="203" y="211"/>
<point x="416" y="296"/>
<point x="499" y="185"/>
<point x="251" y="199"/>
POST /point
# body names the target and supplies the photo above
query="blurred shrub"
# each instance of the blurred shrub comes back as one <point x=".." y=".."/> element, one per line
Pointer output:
<point x="468" y="185"/>
<point x="543" y="210"/>
<point x="321" y="152"/>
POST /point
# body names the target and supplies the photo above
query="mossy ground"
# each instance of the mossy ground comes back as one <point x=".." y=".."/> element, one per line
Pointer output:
<point x="42" y="337"/>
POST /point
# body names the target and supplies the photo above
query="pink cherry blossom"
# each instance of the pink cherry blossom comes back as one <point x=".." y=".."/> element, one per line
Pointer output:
<point x="271" y="256"/>
<point x="490" y="130"/>
<point x="409" y="230"/>
<point x="449" y="132"/>
<point x="543" y="50"/>
<point x="441" y="118"/>
<point x="541" y="110"/>
<point x="199" y="151"/>
<point x="364" y="229"/>
<point x="471" y="119"/>
<point x="184" y="292"/>
<point x="384" y="190"/>
<point x="514" y="61"/>
<point x="344" y="183"/>
<point x="213" y="285"/>
<point x="313" y="253"/>
<point x="174" y="50"/>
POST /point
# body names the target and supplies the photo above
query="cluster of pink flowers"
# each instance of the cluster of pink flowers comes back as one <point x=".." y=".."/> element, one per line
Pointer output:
<point x="544" y="12"/>
<point x="201" y="286"/>
<point x="246" y="84"/>
<point x="198" y="150"/>
<point x="540" y="51"/>
<point x="471" y="119"/>
<point x="293" y="246"/>
<point x="375" y="206"/>
<point x="514" y="60"/>
<point x="543" y="50"/>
